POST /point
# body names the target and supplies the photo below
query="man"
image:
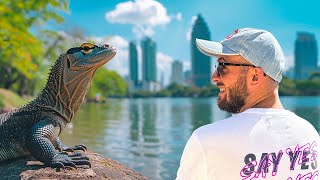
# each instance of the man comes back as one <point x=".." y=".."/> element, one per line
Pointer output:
<point x="261" y="140"/>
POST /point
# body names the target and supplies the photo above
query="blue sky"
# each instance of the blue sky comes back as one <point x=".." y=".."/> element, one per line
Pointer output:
<point x="168" y="22"/>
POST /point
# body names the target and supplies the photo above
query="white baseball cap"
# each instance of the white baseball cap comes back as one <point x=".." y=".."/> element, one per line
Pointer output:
<point x="257" y="46"/>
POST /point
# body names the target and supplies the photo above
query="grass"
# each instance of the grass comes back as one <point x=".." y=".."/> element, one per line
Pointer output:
<point x="9" y="99"/>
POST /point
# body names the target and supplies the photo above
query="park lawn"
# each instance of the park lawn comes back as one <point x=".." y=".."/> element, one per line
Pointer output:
<point x="11" y="100"/>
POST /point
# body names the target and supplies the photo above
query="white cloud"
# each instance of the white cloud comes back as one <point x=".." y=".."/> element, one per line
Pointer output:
<point x="186" y="65"/>
<point x="179" y="16"/>
<point x="140" y="31"/>
<point x="193" y="19"/>
<point x="119" y="41"/>
<point x="164" y="62"/>
<point x="164" y="67"/>
<point x="141" y="12"/>
<point x="144" y="15"/>
<point x="289" y="59"/>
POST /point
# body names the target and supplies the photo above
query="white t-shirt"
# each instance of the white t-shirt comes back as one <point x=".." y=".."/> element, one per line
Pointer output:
<point x="256" y="144"/>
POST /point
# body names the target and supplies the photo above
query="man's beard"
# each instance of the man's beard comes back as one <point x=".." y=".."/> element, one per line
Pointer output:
<point x="235" y="99"/>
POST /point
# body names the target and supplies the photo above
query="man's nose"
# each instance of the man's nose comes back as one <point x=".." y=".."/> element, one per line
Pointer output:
<point x="214" y="77"/>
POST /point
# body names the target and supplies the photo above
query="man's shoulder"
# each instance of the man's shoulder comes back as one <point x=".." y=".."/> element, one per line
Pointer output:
<point x="236" y="120"/>
<point x="224" y="126"/>
<point x="249" y="119"/>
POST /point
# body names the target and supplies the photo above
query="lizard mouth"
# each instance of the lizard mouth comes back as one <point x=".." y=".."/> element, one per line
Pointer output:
<point x="103" y="59"/>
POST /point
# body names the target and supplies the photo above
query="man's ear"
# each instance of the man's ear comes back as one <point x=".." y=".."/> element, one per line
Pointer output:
<point x="256" y="76"/>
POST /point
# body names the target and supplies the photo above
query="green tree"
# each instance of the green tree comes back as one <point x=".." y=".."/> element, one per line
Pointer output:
<point x="142" y="94"/>
<point x="309" y="87"/>
<point x="163" y="93"/>
<point x="209" y="91"/>
<point x="108" y="84"/>
<point x="287" y="87"/>
<point x="193" y="91"/>
<point x="176" y="90"/>
<point x="315" y="75"/>
<point x="20" y="49"/>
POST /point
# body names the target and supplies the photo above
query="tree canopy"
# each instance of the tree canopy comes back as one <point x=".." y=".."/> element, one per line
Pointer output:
<point x="108" y="84"/>
<point x="20" y="49"/>
<point x="27" y="49"/>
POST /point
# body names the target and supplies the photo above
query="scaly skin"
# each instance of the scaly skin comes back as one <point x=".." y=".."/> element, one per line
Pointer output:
<point x="34" y="128"/>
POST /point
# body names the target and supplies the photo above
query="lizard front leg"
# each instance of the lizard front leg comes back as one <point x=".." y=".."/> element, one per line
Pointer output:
<point x="39" y="144"/>
<point x="61" y="147"/>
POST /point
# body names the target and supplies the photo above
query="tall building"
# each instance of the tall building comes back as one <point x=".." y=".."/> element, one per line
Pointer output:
<point x="162" y="79"/>
<point x="306" y="55"/>
<point x="187" y="77"/>
<point x="149" y="60"/>
<point x="200" y="63"/>
<point x="149" y="66"/>
<point x="177" y="72"/>
<point x="133" y="63"/>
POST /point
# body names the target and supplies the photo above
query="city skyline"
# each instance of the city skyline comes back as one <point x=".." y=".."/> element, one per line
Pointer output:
<point x="170" y="26"/>
<point x="305" y="48"/>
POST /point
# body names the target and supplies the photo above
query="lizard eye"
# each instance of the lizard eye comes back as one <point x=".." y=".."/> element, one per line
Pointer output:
<point x="87" y="48"/>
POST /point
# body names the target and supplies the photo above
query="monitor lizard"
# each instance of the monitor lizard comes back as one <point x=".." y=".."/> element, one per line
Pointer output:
<point x="34" y="128"/>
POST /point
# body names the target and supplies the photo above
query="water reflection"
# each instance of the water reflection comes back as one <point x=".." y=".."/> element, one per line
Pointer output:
<point x="149" y="135"/>
<point x="134" y="118"/>
<point x="310" y="114"/>
<point x="200" y="112"/>
<point x="143" y="134"/>
<point x="305" y="107"/>
<point x="149" y="114"/>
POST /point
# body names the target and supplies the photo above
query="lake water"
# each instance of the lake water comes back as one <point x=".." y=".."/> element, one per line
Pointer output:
<point x="148" y="135"/>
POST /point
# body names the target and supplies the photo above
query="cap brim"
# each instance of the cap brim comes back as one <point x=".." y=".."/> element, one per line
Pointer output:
<point x="214" y="49"/>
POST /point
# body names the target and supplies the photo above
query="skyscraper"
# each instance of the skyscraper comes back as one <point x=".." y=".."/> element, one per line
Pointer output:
<point x="177" y="72"/>
<point x="133" y="63"/>
<point x="306" y="55"/>
<point x="187" y="77"/>
<point x="149" y="60"/>
<point x="200" y="63"/>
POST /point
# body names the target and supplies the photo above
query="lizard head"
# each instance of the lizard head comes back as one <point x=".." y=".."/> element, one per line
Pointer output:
<point x="89" y="56"/>
<point x="70" y="77"/>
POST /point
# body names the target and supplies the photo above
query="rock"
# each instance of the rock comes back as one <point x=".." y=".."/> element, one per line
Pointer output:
<point x="102" y="168"/>
<point x="5" y="109"/>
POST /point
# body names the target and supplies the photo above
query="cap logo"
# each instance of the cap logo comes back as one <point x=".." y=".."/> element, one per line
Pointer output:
<point x="231" y="35"/>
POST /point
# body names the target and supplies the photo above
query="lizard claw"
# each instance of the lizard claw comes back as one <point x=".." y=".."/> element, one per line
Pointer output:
<point x="63" y="152"/>
<point x="81" y="147"/>
<point x="81" y="159"/>
<point x="61" y="160"/>
<point x="60" y="165"/>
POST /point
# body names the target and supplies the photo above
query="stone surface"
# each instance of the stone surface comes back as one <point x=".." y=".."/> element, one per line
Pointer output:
<point x="102" y="168"/>
<point x="5" y="109"/>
